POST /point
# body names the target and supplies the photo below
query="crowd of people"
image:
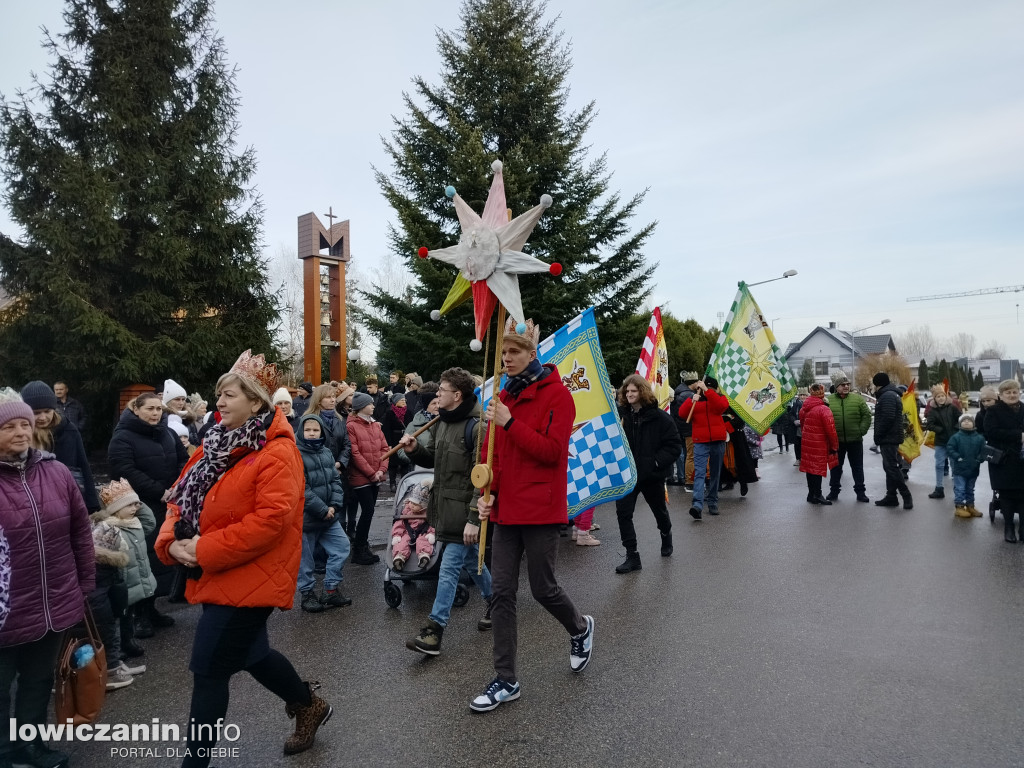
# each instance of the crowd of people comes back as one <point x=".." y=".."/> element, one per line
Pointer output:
<point x="240" y="508"/>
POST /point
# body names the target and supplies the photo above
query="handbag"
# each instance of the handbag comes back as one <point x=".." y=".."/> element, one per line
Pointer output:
<point x="991" y="454"/>
<point x="79" y="692"/>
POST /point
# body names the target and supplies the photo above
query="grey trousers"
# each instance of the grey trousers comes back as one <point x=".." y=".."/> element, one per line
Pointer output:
<point x="540" y="543"/>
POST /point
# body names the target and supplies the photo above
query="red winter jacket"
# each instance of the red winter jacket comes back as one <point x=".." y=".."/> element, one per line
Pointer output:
<point x="707" y="422"/>
<point x="368" y="445"/>
<point x="531" y="457"/>
<point x="819" y="444"/>
<point x="250" y="527"/>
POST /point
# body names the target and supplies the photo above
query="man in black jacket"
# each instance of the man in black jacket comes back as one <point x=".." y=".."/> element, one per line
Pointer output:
<point x="69" y="408"/>
<point x="301" y="401"/>
<point x="889" y="434"/>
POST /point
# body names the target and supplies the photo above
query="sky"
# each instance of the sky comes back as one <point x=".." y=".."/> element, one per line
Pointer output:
<point x="875" y="147"/>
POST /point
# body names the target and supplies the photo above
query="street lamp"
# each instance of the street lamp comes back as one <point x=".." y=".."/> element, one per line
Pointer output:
<point x="853" y="349"/>
<point x="787" y="273"/>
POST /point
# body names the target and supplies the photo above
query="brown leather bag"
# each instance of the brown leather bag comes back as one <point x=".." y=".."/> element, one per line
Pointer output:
<point x="80" y="693"/>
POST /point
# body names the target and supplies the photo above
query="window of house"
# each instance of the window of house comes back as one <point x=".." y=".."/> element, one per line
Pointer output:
<point x="821" y="368"/>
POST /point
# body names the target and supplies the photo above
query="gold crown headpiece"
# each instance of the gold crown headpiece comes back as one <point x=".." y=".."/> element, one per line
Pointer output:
<point x="526" y="334"/>
<point x="255" y="370"/>
<point x="116" y="495"/>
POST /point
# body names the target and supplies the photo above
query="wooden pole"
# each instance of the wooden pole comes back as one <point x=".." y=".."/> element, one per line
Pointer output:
<point x="417" y="433"/>
<point x="491" y="430"/>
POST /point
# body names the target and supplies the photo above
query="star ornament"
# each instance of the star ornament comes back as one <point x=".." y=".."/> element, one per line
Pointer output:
<point x="760" y="363"/>
<point x="489" y="255"/>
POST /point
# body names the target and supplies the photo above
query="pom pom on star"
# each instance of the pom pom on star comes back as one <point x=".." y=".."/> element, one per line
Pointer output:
<point x="435" y="314"/>
<point x="496" y="166"/>
<point x="423" y="251"/>
<point x="546" y="201"/>
<point x="449" y="191"/>
<point x="521" y="329"/>
<point x="475" y="345"/>
<point x="555" y="269"/>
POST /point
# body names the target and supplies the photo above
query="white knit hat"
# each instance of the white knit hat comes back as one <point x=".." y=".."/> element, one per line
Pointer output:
<point x="173" y="389"/>
<point x="178" y="428"/>
<point x="282" y="396"/>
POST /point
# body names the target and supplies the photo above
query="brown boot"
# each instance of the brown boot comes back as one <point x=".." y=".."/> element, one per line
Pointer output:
<point x="974" y="511"/>
<point x="962" y="511"/>
<point x="307" y="721"/>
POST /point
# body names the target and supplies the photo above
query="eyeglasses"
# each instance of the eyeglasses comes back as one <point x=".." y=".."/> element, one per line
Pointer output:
<point x="445" y="389"/>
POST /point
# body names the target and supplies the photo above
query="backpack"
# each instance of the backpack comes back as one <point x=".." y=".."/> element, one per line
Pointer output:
<point x="468" y="437"/>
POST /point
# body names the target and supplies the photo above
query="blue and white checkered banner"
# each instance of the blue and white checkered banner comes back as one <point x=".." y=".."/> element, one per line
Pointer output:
<point x="601" y="466"/>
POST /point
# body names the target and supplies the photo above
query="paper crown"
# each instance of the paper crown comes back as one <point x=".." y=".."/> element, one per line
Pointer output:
<point x="527" y="334"/>
<point x="689" y="376"/>
<point x="254" y="370"/>
<point x="194" y="400"/>
<point x="117" y="495"/>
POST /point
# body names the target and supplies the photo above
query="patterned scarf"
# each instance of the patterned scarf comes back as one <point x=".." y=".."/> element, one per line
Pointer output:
<point x="399" y="411"/>
<point x="534" y="372"/>
<point x="191" y="490"/>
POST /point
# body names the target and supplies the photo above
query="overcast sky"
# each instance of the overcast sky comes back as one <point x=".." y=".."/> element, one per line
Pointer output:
<point x="876" y="147"/>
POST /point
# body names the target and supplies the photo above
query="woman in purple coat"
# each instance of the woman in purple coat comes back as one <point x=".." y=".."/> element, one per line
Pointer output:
<point x="51" y="570"/>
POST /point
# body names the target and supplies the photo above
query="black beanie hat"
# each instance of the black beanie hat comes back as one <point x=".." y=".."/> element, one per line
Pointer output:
<point x="711" y="382"/>
<point x="880" y="379"/>
<point x="38" y="395"/>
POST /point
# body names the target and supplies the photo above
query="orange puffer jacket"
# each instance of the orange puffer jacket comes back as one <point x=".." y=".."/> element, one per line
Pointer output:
<point x="250" y="528"/>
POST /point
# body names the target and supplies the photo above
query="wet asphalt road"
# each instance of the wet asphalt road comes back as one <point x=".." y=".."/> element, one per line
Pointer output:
<point x="778" y="634"/>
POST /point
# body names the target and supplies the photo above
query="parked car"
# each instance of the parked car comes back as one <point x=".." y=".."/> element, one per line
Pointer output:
<point x="974" y="397"/>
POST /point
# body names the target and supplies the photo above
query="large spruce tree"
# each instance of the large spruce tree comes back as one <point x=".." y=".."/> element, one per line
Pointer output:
<point x="142" y="235"/>
<point x="503" y="94"/>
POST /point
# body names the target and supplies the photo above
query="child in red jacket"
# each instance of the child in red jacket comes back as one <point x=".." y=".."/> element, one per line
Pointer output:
<point x="709" y="436"/>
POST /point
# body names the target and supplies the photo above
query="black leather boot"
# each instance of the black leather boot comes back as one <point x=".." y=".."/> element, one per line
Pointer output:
<point x="631" y="563"/>
<point x="666" y="545"/>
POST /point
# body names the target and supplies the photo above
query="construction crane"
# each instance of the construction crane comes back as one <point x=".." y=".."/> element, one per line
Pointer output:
<point x="979" y="292"/>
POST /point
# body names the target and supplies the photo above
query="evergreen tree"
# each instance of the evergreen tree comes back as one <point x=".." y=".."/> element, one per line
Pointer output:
<point x="806" y="377"/>
<point x="979" y="380"/>
<point x="141" y="253"/>
<point x="943" y="372"/>
<point x="922" y="376"/>
<point x="503" y="94"/>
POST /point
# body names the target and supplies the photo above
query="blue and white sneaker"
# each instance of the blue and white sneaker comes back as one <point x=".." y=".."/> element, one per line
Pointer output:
<point x="498" y="692"/>
<point x="581" y="647"/>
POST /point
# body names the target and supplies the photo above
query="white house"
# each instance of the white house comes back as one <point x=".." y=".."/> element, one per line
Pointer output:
<point x="831" y="349"/>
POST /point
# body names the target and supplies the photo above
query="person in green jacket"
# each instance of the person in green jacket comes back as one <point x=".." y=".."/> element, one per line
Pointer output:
<point x="452" y="511"/>
<point x="853" y="420"/>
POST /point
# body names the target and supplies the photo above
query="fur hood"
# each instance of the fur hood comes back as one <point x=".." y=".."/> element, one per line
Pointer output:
<point x="110" y="548"/>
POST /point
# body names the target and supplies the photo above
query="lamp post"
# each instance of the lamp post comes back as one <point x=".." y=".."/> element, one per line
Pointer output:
<point x="787" y="273"/>
<point x="853" y="349"/>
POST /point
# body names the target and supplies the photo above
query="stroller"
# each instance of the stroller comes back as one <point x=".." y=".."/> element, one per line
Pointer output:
<point x="993" y="507"/>
<point x="412" y="570"/>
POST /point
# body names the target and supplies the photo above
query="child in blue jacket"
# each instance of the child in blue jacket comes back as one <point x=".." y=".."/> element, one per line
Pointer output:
<point x="321" y="518"/>
<point x="965" y="450"/>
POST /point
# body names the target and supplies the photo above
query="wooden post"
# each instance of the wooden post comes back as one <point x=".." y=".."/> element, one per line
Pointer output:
<point x="499" y="340"/>
<point x="313" y="356"/>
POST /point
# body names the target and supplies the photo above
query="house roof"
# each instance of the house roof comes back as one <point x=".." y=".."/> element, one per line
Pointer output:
<point x="864" y="345"/>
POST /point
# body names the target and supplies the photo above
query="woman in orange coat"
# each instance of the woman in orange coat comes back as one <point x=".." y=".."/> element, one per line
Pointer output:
<point x="819" y="446"/>
<point x="235" y="520"/>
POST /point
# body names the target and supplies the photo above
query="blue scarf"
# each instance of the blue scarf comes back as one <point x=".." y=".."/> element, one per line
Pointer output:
<point x="534" y="372"/>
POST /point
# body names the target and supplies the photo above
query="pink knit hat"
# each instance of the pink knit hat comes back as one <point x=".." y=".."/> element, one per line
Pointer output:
<point x="13" y="407"/>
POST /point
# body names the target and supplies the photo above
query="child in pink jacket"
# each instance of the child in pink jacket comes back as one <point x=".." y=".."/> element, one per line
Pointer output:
<point x="411" y="528"/>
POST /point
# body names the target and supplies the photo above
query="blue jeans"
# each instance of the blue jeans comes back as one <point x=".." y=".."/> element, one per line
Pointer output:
<point x="681" y="464"/>
<point x="705" y="490"/>
<point x="335" y="544"/>
<point x="940" y="464"/>
<point x="454" y="558"/>
<point x="963" y="489"/>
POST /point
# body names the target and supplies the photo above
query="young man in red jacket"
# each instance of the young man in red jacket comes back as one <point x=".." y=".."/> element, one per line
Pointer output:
<point x="533" y="418"/>
<point x="709" y="436"/>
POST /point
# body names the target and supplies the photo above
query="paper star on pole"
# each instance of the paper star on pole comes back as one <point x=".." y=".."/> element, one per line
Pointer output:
<point x="489" y="255"/>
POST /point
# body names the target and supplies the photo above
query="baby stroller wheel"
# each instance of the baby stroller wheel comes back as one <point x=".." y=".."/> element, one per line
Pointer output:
<point x="392" y="595"/>
<point x="461" y="595"/>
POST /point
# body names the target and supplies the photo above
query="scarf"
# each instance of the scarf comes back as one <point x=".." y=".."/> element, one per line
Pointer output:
<point x="534" y="372"/>
<point x="315" y="445"/>
<point x="191" y="490"/>
<point x="5" y="578"/>
<point x="461" y="413"/>
<point x="399" y="411"/>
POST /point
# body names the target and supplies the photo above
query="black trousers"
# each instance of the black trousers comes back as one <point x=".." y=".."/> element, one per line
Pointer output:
<point x="854" y="451"/>
<point x="894" y="481"/>
<point x="1011" y="502"/>
<point x="813" y="484"/>
<point x="366" y="496"/>
<point x="32" y="664"/>
<point x="654" y="494"/>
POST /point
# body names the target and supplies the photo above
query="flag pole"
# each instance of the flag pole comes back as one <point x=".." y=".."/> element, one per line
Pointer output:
<point x="482" y="473"/>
